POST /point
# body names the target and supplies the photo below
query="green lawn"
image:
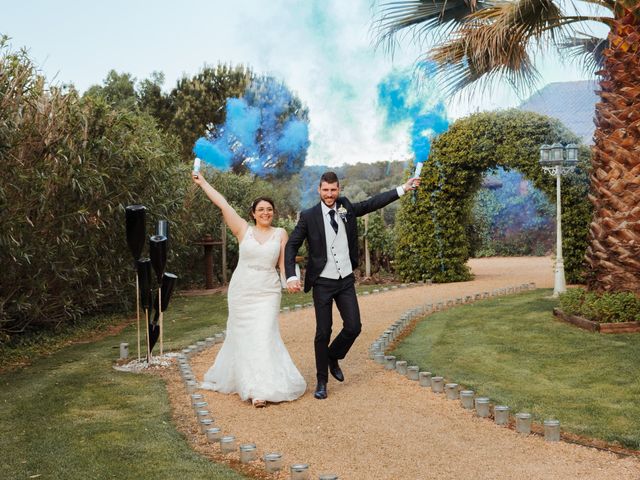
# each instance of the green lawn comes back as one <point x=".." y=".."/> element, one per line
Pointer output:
<point x="514" y="351"/>
<point x="71" y="416"/>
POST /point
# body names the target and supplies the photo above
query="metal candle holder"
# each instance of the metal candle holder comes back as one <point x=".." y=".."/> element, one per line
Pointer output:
<point x="552" y="430"/>
<point x="200" y="414"/>
<point x="205" y="424"/>
<point x="214" y="434"/>
<point x="424" y="378"/>
<point x="482" y="407"/>
<point x="192" y="386"/>
<point x="501" y="414"/>
<point x="300" y="471"/>
<point x="437" y="384"/>
<point x="273" y="462"/>
<point x="124" y="351"/>
<point x="390" y="362"/>
<point x="413" y="372"/>
<point x="452" y="391"/>
<point x="228" y="444"/>
<point x="523" y="423"/>
<point x="199" y="405"/>
<point x="248" y="452"/>
<point x="466" y="399"/>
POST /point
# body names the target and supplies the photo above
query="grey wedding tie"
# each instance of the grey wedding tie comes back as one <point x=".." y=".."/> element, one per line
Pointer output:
<point x="334" y="224"/>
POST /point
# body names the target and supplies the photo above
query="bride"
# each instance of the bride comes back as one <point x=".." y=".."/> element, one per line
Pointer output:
<point x="253" y="361"/>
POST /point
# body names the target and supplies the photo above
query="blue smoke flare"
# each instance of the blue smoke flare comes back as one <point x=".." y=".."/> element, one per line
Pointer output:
<point x="266" y="130"/>
<point x="419" y="107"/>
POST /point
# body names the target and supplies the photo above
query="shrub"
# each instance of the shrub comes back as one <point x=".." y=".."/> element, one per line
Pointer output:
<point x="601" y="307"/>
<point x="71" y="166"/>
<point x="571" y="301"/>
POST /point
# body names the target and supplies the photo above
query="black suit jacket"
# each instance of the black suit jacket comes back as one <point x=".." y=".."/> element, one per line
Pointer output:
<point x="310" y="227"/>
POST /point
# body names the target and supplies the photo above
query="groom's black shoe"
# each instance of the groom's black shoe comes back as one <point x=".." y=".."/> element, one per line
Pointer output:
<point x="335" y="370"/>
<point x="321" y="391"/>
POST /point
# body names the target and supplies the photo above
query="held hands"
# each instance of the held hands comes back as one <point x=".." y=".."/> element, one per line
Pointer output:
<point x="293" y="286"/>
<point x="411" y="184"/>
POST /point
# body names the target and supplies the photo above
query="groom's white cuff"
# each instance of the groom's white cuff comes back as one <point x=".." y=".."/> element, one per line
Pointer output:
<point x="400" y="190"/>
<point x="291" y="279"/>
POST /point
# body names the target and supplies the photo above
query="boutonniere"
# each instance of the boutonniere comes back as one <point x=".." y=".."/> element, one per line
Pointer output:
<point x="343" y="213"/>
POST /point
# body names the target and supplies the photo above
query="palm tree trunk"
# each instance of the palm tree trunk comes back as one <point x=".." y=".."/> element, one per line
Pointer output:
<point x="614" y="235"/>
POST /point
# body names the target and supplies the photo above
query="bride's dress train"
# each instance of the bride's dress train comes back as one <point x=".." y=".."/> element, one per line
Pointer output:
<point x="253" y="361"/>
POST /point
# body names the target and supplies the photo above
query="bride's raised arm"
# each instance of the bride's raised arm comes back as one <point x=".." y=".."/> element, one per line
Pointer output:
<point x="235" y="222"/>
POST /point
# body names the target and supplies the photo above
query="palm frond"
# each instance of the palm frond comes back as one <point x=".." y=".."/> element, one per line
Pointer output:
<point x="419" y="19"/>
<point x="522" y="19"/>
<point x="586" y="51"/>
<point x="608" y="4"/>
<point x="479" y="42"/>
<point x="476" y="57"/>
<point x="499" y="41"/>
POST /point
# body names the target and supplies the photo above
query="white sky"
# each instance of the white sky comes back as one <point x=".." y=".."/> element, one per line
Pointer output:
<point x="320" y="48"/>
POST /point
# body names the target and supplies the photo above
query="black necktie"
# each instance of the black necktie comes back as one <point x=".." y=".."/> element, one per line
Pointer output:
<point x="334" y="224"/>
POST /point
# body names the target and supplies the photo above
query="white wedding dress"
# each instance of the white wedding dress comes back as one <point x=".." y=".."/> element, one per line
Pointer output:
<point x="253" y="361"/>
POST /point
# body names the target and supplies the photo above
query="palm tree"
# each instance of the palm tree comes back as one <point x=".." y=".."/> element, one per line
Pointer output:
<point x="476" y="42"/>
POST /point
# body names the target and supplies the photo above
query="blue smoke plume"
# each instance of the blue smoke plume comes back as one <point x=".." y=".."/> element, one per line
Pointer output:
<point x="266" y="130"/>
<point x="419" y="107"/>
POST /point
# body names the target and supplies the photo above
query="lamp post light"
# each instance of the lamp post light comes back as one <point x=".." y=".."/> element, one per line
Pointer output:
<point x="558" y="160"/>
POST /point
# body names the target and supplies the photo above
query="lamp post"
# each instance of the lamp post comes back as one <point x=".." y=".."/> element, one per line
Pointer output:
<point x="558" y="160"/>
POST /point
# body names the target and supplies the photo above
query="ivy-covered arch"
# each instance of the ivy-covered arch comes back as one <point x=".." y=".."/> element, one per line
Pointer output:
<point x="430" y="227"/>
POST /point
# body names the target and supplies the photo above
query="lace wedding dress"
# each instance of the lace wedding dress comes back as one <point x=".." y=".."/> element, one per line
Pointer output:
<point x="253" y="361"/>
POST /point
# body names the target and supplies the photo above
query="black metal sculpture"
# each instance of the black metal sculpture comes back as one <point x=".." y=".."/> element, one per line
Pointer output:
<point x="135" y="228"/>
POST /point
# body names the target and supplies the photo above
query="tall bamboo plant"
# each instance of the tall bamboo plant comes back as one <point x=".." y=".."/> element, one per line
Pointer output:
<point x="478" y="42"/>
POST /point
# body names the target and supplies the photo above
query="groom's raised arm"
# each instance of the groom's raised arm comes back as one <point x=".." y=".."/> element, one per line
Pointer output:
<point x="296" y="240"/>
<point x="376" y="202"/>
<point x="385" y="198"/>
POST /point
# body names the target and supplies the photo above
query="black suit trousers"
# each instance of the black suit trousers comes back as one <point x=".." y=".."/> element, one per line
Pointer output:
<point x="343" y="292"/>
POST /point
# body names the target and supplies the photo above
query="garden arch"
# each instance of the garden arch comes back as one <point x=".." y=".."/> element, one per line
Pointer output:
<point x="431" y="241"/>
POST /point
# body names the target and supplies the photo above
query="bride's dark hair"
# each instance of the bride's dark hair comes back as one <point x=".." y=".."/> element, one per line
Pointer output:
<point x="255" y="204"/>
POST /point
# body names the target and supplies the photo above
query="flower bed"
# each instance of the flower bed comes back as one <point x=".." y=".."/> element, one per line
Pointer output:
<point x="619" y="327"/>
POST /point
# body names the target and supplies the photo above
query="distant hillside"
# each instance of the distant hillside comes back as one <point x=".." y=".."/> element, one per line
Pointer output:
<point x="573" y="103"/>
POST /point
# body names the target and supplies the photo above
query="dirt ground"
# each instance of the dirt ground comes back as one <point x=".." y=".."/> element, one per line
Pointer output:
<point x="379" y="425"/>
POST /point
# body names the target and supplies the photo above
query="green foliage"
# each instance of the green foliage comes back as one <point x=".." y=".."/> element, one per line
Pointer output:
<point x="571" y="301"/>
<point x="431" y="228"/>
<point x="72" y="165"/>
<point x="381" y="242"/>
<point x="118" y="90"/>
<point x="606" y="307"/>
<point x="512" y="220"/>
<point x="75" y="163"/>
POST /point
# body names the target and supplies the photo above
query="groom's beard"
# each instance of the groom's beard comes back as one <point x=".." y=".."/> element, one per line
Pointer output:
<point x="326" y="200"/>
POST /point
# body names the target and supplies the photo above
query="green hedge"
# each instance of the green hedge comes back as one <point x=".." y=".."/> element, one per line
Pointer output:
<point x="601" y="307"/>
<point x="71" y="167"/>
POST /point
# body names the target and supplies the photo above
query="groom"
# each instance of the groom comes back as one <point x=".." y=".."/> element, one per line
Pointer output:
<point x="330" y="229"/>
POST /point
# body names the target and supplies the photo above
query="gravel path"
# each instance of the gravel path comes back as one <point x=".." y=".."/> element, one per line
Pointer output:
<point x="378" y="425"/>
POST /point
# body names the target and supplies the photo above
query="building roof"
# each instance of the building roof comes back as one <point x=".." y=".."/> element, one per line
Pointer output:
<point x="573" y="103"/>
